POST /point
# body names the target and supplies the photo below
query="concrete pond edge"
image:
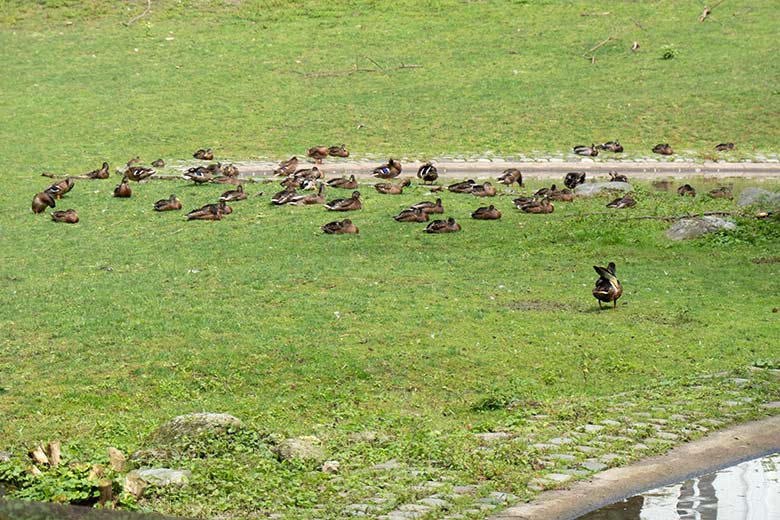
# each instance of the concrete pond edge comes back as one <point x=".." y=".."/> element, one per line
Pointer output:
<point x="713" y="452"/>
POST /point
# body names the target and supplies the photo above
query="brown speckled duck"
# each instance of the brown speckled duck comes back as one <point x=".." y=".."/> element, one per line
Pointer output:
<point x="484" y="190"/>
<point x="608" y="288"/>
<point x="343" y="183"/>
<point x="230" y="170"/>
<point x="574" y="179"/>
<point x="392" y="189"/>
<point x="338" y="151"/>
<point x="139" y="173"/>
<point x="309" y="198"/>
<point x="686" y="190"/>
<point x="428" y="172"/>
<point x="617" y="177"/>
<point x="351" y="204"/>
<point x="287" y="167"/>
<point x="663" y="149"/>
<point x="41" y="201"/>
<point x="123" y="190"/>
<point x="170" y="204"/>
<point x="611" y="146"/>
<point x="590" y="151"/>
<point x="159" y="163"/>
<point x="626" y="201"/>
<point x="442" y="226"/>
<point x="462" y="187"/>
<point x="724" y="192"/>
<point x="284" y="196"/>
<point x="412" y="215"/>
<point x="389" y="170"/>
<point x="233" y="195"/>
<point x="486" y="213"/>
<point x="343" y="227"/>
<point x="58" y="189"/>
<point x="204" y="155"/>
<point x="511" y="176"/>
<point x="725" y="147"/>
<point x="429" y="207"/>
<point x="69" y="216"/>
<point x="318" y="153"/>
<point x="100" y="173"/>
<point x="537" y="207"/>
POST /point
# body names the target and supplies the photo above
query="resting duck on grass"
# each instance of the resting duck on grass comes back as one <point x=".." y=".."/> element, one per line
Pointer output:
<point x="338" y="151"/>
<point x="309" y="173"/>
<point x="287" y="167"/>
<point x="210" y="212"/>
<point x="462" y="187"/>
<point x="484" y="190"/>
<point x="392" y="189"/>
<point x="663" y="149"/>
<point x="574" y="179"/>
<point x="318" y="153"/>
<point x="626" y="201"/>
<point x="343" y="227"/>
<point x="204" y="155"/>
<point x="309" y="198"/>
<point x="590" y="151"/>
<point x="159" y="163"/>
<point x="608" y="288"/>
<point x="230" y="170"/>
<point x="724" y="192"/>
<point x="198" y="175"/>
<point x="511" y="176"/>
<point x="725" y="147"/>
<point x="412" y="215"/>
<point x="686" y="190"/>
<point x="100" y="173"/>
<point x="122" y="189"/>
<point x="617" y="177"/>
<point x="351" y="204"/>
<point x="236" y="194"/>
<point x="443" y="226"/>
<point x="138" y="173"/>
<point x="41" y="201"/>
<point x="429" y="207"/>
<point x="284" y="196"/>
<point x="564" y="195"/>
<point x="69" y="216"/>
<point x="170" y="204"/>
<point x="611" y="146"/>
<point x="344" y="183"/>
<point x="389" y="170"/>
<point x="428" y="172"/>
<point x="486" y="213"/>
<point x="537" y="207"/>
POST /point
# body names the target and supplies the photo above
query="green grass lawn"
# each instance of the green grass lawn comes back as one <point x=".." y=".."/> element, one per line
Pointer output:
<point x="113" y="326"/>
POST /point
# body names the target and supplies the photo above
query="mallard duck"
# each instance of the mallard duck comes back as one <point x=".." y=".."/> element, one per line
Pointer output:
<point x="664" y="185"/>
<point x="686" y="190"/>
<point x="100" y="173"/>
<point x="138" y="173"/>
<point x="338" y="151"/>
<point x="232" y="195"/>
<point x="69" y="216"/>
<point x="724" y="192"/>
<point x="428" y="172"/>
<point x="58" y="189"/>
<point x="309" y="198"/>
<point x="210" y="212"/>
<point x="590" y="151"/>
<point x="542" y="192"/>
<point x="318" y="153"/>
<point x="617" y="177"/>
<point x="170" y="204"/>
<point x="388" y="171"/>
<point x="511" y="176"/>
<point x="626" y="201"/>
<point x="344" y="183"/>
<point x="574" y="179"/>
<point x="214" y="168"/>
<point x="309" y="173"/>
<point x="611" y="146"/>
<point x="230" y="170"/>
<point x="343" y="227"/>
<point x="663" y="149"/>
<point x="442" y="226"/>
<point x="564" y="195"/>
<point x="284" y="196"/>
<point x="462" y="187"/>
<point x="521" y="201"/>
<point x="122" y="189"/>
<point x="486" y="213"/>
<point x="484" y="190"/>
<point x="412" y="215"/>
<point x="725" y="147"/>
<point x="159" y="163"/>
<point x="41" y="201"/>
<point x="134" y="160"/>
<point x="608" y="288"/>
<point x="392" y="189"/>
<point x="287" y="167"/>
<point x="429" y="207"/>
<point x="350" y="204"/>
<point x="198" y="175"/>
<point x="204" y="155"/>
<point x="235" y="181"/>
<point x="538" y="207"/>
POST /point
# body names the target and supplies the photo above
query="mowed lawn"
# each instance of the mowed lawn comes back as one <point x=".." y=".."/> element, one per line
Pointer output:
<point x="113" y="326"/>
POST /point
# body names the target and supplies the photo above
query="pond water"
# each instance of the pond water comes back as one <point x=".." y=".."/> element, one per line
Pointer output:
<point x="747" y="491"/>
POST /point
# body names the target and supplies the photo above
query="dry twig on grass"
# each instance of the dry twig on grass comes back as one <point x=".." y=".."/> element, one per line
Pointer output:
<point x="592" y="57"/>
<point x="138" y="17"/>
<point x="354" y="70"/>
<point x="708" y="11"/>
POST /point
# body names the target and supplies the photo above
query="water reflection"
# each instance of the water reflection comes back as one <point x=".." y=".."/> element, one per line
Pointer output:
<point x="747" y="491"/>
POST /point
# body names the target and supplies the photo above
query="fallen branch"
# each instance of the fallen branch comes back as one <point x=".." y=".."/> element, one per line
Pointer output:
<point x="604" y="13"/>
<point x="708" y="11"/>
<point x="146" y="11"/>
<point x="638" y="25"/>
<point x="592" y="57"/>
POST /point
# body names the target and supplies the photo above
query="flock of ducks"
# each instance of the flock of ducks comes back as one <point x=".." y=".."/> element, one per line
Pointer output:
<point x="616" y="147"/>
<point x="607" y="289"/>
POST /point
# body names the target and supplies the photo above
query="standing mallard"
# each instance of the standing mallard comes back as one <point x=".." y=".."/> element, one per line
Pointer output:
<point x="41" y="201"/>
<point x="511" y="176"/>
<point x="122" y="189"/>
<point x="608" y="288"/>
<point x="388" y="170"/>
<point x="428" y="172"/>
<point x="318" y="153"/>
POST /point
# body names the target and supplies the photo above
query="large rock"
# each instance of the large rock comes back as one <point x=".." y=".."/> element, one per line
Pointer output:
<point x="688" y="228"/>
<point x="138" y="480"/>
<point x="187" y="427"/>
<point x="751" y="196"/>
<point x="597" y="188"/>
<point x="305" y="449"/>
